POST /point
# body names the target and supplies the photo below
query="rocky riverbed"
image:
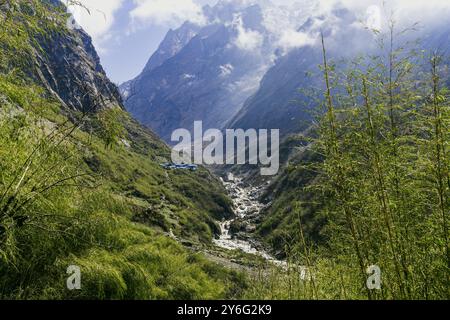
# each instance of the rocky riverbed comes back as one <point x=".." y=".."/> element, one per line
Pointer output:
<point x="238" y="232"/>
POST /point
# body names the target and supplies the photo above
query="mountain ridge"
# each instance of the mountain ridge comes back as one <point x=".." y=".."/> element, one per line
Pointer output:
<point x="210" y="78"/>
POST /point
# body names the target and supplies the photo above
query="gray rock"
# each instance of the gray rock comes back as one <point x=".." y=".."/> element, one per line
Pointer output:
<point x="70" y="69"/>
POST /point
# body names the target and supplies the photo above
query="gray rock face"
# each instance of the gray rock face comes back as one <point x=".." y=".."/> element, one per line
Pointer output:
<point x="217" y="73"/>
<point x="172" y="44"/>
<point x="69" y="67"/>
<point x="174" y="41"/>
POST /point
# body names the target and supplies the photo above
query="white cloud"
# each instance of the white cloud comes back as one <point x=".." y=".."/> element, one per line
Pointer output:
<point x="247" y="39"/>
<point x="99" y="20"/>
<point x="426" y="12"/>
<point x="168" y="13"/>
<point x="374" y="17"/>
<point x="172" y="13"/>
<point x="291" y="39"/>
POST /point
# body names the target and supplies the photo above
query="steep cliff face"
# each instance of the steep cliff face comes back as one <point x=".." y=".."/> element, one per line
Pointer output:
<point x="173" y="43"/>
<point x="247" y="67"/>
<point x="63" y="61"/>
<point x="71" y="69"/>
<point x="279" y="102"/>
<point x="191" y="86"/>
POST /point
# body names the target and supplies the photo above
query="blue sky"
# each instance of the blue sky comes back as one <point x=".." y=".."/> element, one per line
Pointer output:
<point x="127" y="32"/>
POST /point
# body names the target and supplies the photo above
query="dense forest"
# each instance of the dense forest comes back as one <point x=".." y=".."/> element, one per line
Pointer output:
<point x="368" y="186"/>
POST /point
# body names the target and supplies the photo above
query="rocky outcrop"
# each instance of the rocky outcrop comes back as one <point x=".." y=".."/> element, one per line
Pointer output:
<point x="68" y="65"/>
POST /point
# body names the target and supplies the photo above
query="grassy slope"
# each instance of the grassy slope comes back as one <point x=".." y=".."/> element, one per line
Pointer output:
<point x="289" y="199"/>
<point x="113" y="221"/>
<point x="292" y="201"/>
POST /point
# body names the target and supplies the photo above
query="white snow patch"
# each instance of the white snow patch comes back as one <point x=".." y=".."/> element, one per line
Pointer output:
<point x="226" y="70"/>
<point x="187" y="76"/>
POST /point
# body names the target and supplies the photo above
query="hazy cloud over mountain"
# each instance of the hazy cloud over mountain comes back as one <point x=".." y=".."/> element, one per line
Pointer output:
<point x="172" y="13"/>
<point x="125" y="26"/>
<point x="247" y="39"/>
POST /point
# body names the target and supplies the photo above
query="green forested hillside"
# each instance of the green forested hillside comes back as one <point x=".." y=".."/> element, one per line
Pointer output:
<point x="81" y="184"/>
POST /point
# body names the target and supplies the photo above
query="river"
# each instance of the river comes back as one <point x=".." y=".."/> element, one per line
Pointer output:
<point x="247" y="210"/>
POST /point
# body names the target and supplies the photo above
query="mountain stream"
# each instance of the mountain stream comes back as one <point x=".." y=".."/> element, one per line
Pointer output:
<point x="247" y="210"/>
